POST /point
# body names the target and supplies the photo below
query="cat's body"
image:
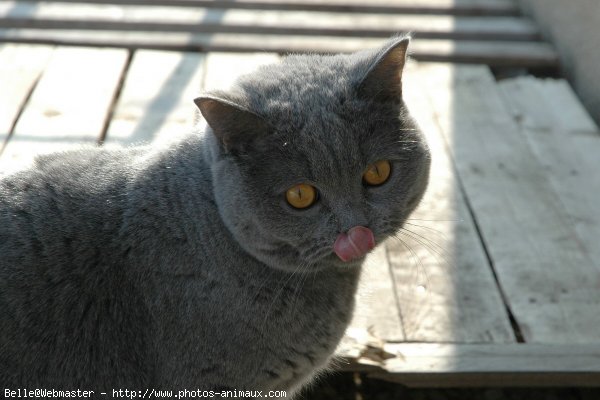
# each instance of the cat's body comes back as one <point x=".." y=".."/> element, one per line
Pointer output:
<point x="182" y="267"/>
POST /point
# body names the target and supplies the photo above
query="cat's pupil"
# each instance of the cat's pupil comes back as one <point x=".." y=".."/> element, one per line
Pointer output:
<point x="301" y="196"/>
<point x="377" y="173"/>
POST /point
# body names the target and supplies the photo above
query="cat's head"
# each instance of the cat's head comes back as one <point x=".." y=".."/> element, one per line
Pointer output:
<point x="316" y="157"/>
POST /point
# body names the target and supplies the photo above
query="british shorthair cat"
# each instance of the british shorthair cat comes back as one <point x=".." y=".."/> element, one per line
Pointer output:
<point x="226" y="260"/>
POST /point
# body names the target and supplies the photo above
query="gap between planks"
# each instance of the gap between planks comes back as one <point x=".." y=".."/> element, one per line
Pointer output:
<point x="20" y="69"/>
<point x="444" y="282"/>
<point x="550" y="281"/>
<point x="68" y="107"/>
<point x="156" y="101"/>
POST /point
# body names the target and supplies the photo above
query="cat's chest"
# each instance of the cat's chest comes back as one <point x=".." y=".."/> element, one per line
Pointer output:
<point x="300" y="329"/>
<point x="251" y="331"/>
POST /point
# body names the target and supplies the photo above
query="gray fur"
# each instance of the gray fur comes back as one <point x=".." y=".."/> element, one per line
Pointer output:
<point x="182" y="267"/>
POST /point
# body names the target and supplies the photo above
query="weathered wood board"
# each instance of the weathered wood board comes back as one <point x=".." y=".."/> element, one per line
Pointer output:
<point x="497" y="53"/>
<point x="465" y="31"/>
<point x="550" y="282"/>
<point x="69" y="105"/>
<point x="185" y="19"/>
<point x="20" y="69"/>
<point x="157" y="97"/>
<point x="222" y="69"/>
<point x="507" y="365"/>
<point x="444" y="284"/>
<point x="566" y="143"/>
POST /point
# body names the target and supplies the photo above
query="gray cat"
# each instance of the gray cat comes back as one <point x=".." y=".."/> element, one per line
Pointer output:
<point x="223" y="261"/>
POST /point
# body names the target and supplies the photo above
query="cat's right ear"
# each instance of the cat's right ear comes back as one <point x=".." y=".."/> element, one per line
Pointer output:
<point x="234" y="125"/>
<point x="383" y="80"/>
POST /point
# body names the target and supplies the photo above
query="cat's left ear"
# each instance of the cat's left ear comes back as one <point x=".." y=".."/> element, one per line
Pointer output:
<point x="383" y="80"/>
<point x="234" y="125"/>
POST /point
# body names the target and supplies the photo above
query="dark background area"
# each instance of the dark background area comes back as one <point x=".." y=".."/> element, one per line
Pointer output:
<point x="355" y="386"/>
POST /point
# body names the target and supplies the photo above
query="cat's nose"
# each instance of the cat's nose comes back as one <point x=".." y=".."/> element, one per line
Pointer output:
<point x="349" y="214"/>
<point x="356" y="243"/>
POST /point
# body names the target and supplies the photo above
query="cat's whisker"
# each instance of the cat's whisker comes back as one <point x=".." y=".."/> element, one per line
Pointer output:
<point x="434" y="220"/>
<point x="279" y="292"/>
<point x="298" y="288"/>
<point x="437" y="232"/>
<point x="416" y="260"/>
<point x="261" y="286"/>
<point x="300" y="275"/>
<point x="432" y="242"/>
<point x="437" y="251"/>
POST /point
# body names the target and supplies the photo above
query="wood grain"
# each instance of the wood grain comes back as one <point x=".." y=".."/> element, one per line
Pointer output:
<point x="156" y="102"/>
<point x="566" y="143"/>
<point x="377" y="313"/>
<point x="478" y="365"/>
<point x="69" y="105"/>
<point x="20" y="68"/>
<point x="444" y="284"/>
<point x="493" y="365"/>
<point x="551" y="284"/>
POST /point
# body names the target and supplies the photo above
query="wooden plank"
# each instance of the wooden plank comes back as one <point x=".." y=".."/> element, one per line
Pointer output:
<point x="222" y="69"/>
<point x="317" y="25"/>
<point x="547" y="105"/>
<point x="512" y="358"/>
<point x="157" y="97"/>
<point x="69" y="105"/>
<point x="516" y="54"/>
<point x="477" y="365"/>
<point x="20" y="68"/>
<point x="177" y="19"/>
<point x="376" y="315"/>
<point x="492" y="365"/>
<point x="431" y="7"/>
<point x="566" y="143"/>
<point x="444" y="284"/>
<point x="550" y="282"/>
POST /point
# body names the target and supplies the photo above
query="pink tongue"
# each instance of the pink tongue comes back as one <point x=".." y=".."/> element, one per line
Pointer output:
<point x="354" y="244"/>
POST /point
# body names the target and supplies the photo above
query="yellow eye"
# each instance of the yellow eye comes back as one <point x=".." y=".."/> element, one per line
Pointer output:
<point x="377" y="173"/>
<point x="301" y="196"/>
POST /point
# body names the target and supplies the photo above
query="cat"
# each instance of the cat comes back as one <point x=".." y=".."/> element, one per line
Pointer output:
<point x="228" y="259"/>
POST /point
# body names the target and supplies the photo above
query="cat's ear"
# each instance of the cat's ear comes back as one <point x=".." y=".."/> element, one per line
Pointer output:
<point x="383" y="80"/>
<point x="234" y="125"/>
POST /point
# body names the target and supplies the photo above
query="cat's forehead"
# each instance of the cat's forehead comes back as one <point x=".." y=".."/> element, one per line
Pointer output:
<point x="318" y="118"/>
<point x="301" y="89"/>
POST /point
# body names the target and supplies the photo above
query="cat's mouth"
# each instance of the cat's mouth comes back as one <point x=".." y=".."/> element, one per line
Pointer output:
<point x="355" y="244"/>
